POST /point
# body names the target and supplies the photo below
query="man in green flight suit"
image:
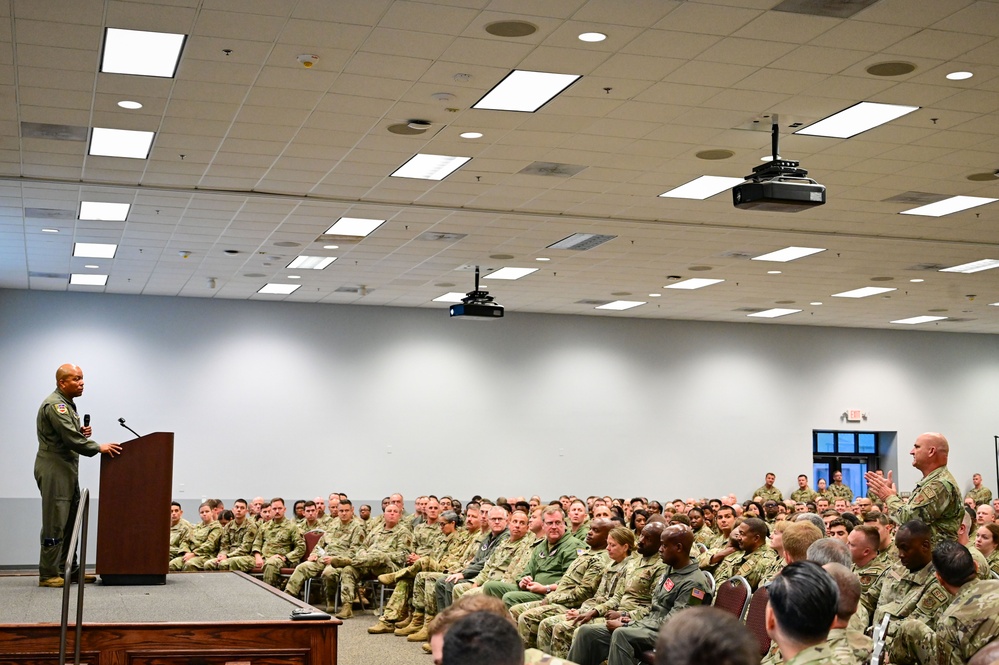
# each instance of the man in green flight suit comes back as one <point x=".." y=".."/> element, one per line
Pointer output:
<point x="547" y="565"/>
<point x="61" y="441"/>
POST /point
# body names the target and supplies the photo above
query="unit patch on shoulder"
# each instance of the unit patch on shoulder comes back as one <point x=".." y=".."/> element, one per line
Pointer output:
<point x="61" y="408"/>
<point x="668" y="584"/>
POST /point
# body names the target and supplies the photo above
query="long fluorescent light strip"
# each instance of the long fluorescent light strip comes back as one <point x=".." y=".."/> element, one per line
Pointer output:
<point x="429" y="167"/>
<point x="856" y="119"/>
<point x="916" y="320"/>
<point x="79" y="279"/>
<point x="311" y="262"/>
<point x="788" y="254"/>
<point x="99" y="211"/>
<point x="510" y="273"/>
<point x="279" y="289"/>
<point x="774" y="313"/>
<point x="354" y="226"/>
<point x="695" y="283"/>
<point x="863" y="292"/>
<point x="948" y="206"/>
<point x="525" y="91"/>
<point x="702" y="188"/>
<point x="973" y="267"/>
<point x="141" y="53"/>
<point x="129" y="143"/>
<point x="94" y="250"/>
<point x="620" y="305"/>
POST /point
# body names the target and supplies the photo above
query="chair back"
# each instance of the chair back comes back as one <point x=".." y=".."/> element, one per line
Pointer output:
<point x="756" y="620"/>
<point x="733" y="596"/>
<point x="880" y="633"/>
<point x="701" y="547"/>
<point x="711" y="582"/>
<point x="311" y="540"/>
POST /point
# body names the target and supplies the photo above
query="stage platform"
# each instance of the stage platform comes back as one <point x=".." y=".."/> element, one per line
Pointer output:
<point x="203" y="618"/>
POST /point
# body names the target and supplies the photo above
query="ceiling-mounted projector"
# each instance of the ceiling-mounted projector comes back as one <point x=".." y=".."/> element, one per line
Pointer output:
<point x="778" y="186"/>
<point x="477" y="305"/>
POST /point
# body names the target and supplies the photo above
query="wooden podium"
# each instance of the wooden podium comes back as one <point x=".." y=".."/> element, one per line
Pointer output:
<point x="133" y="527"/>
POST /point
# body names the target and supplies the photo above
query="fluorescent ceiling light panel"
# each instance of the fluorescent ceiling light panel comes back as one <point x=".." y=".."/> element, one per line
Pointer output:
<point x="863" y="292"/>
<point x="948" y="206"/>
<point x="429" y="167"/>
<point x="94" y="250"/>
<point x="311" y="262"/>
<point x="525" y="91"/>
<point x="788" y="254"/>
<point x="974" y="266"/>
<point x="141" y="53"/>
<point x="856" y="119"/>
<point x="279" y="289"/>
<point x="120" y="143"/>
<point x="450" y="297"/>
<point x="99" y="211"/>
<point x="916" y="320"/>
<point x="620" y="305"/>
<point x="702" y="188"/>
<point x="695" y="283"/>
<point x="510" y="273"/>
<point x="88" y="280"/>
<point x="354" y="226"/>
<point x="774" y="313"/>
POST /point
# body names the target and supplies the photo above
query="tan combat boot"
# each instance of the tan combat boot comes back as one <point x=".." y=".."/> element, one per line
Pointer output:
<point x="427" y="648"/>
<point x="415" y="624"/>
<point x="346" y="612"/>
<point x="52" y="582"/>
<point x="381" y="628"/>
<point x="421" y="635"/>
<point x="387" y="579"/>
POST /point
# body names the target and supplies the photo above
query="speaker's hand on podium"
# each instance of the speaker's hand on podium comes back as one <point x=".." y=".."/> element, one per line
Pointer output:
<point x="111" y="449"/>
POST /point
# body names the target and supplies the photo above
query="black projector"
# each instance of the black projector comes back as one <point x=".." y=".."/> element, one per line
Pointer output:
<point x="778" y="195"/>
<point x="477" y="311"/>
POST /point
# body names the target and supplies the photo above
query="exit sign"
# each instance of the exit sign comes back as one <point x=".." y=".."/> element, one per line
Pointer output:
<point x="854" y="415"/>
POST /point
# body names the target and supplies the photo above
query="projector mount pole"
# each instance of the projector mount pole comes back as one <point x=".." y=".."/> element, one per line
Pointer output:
<point x="774" y="137"/>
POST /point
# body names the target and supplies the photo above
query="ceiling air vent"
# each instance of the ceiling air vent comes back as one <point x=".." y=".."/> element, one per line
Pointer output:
<point x="435" y="236"/>
<point x="921" y="198"/>
<point x="581" y="241"/>
<point x="928" y="267"/>
<point x="363" y="290"/>
<point x="595" y="303"/>
<point x="552" y="169"/>
<point x="49" y="213"/>
<point x="49" y="275"/>
<point x="833" y="8"/>
<point x="43" y="130"/>
<point x="749" y="310"/>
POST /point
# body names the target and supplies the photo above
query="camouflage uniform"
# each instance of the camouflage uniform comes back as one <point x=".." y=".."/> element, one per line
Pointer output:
<point x="984" y="572"/>
<point x="384" y="551"/>
<point x="281" y="544"/>
<point x="454" y="556"/>
<point x="485" y="547"/>
<point x="676" y="590"/>
<point x="964" y="627"/>
<point x="179" y="534"/>
<point x="767" y="494"/>
<point x="936" y="501"/>
<point x="606" y="598"/>
<point x="236" y="542"/>
<point x="839" y="491"/>
<point x="754" y="566"/>
<point x="203" y="542"/>
<point x="579" y="583"/>
<point x="903" y="594"/>
<point x="506" y="564"/>
<point x="993" y="561"/>
<point x="705" y="536"/>
<point x="428" y="544"/>
<point x="813" y="655"/>
<point x="340" y="542"/>
<point x="849" y="647"/>
<point x="868" y="575"/>
<point x="804" y="496"/>
<point x="981" y="495"/>
<point x="305" y="527"/>
<point x="546" y="566"/>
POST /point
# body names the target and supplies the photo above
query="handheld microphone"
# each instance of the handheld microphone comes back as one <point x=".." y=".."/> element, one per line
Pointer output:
<point x="86" y="420"/>
<point x="121" y="421"/>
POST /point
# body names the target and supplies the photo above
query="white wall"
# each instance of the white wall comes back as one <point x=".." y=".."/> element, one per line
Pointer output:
<point x="295" y="400"/>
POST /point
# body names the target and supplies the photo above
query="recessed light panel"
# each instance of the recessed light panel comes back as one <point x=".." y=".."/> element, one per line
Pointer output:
<point x="948" y="206"/>
<point x="695" y="283"/>
<point x="916" y="320"/>
<point x="592" y="37"/>
<point x="702" y="188"/>
<point x="141" y="53"/>
<point x="525" y="91"/>
<point x="856" y="119"/>
<point x="99" y="211"/>
<point x="620" y="305"/>
<point x="79" y="279"/>
<point x="788" y="254"/>
<point x="974" y="266"/>
<point x="863" y="292"/>
<point x="354" y="226"/>
<point x="94" y="250"/>
<point x="279" y="289"/>
<point x="120" y="143"/>
<point x="774" y="313"/>
<point x="453" y="296"/>
<point x="430" y="167"/>
<point x="510" y="273"/>
<point x="311" y="262"/>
